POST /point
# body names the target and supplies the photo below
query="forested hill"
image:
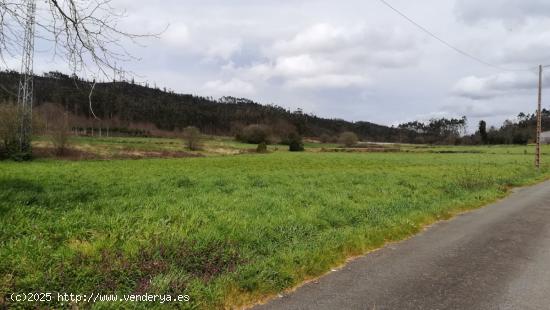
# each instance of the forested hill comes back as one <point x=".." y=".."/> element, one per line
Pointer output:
<point x="131" y="103"/>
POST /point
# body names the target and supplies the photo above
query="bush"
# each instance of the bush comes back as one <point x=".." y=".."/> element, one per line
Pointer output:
<point x="192" y="138"/>
<point x="60" y="132"/>
<point x="255" y="134"/>
<point x="10" y="126"/>
<point x="9" y="129"/>
<point x="295" y="143"/>
<point x="348" y="139"/>
<point x="262" y="148"/>
<point x="324" y="138"/>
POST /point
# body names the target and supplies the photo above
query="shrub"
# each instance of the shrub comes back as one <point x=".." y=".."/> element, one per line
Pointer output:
<point x="295" y="143"/>
<point x="348" y="139"/>
<point x="60" y="132"/>
<point x="255" y="134"/>
<point x="9" y="129"/>
<point x="324" y="138"/>
<point x="262" y="148"/>
<point x="192" y="138"/>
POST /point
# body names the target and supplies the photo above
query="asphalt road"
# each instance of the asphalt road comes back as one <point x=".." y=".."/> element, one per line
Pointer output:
<point x="497" y="257"/>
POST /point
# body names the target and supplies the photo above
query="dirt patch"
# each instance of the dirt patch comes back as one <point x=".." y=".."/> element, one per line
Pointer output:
<point x="136" y="154"/>
<point x="456" y="152"/>
<point x="363" y="150"/>
<point x="68" y="154"/>
<point x="205" y="261"/>
<point x="80" y="154"/>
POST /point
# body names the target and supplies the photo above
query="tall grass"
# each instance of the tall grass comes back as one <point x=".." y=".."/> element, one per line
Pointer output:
<point x="225" y="230"/>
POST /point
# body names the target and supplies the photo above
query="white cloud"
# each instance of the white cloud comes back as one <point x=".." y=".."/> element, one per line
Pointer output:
<point x="328" y="38"/>
<point x="473" y="87"/>
<point x="329" y="81"/>
<point x="529" y="46"/>
<point x="184" y="39"/>
<point x="232" y="87"/>
<point x="508" y="11"/>
<point x="487" y="87"/>
<point x="317" y="38"/>
<point x="223" y="49"/>
<point x="300" y="65"/>
<point x="325" y="56"/>
<point x="177" y="35"/>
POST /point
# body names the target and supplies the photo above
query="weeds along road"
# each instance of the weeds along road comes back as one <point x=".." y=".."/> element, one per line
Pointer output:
<point x="497" y="257"/>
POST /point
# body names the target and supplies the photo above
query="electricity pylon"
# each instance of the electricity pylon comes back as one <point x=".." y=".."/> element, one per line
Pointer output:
<point x="25" y="93"/>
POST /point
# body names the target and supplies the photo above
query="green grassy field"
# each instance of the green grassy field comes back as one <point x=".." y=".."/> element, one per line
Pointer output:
<point x="491" y="149"/>
<point x="229" y="230"/>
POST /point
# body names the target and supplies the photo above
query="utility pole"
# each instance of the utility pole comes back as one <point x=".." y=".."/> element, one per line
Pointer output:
<point x="25" y="92"/>
<point x="539" y="120"/>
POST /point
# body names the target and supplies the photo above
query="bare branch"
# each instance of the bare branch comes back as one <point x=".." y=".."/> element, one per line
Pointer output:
<point x="90" y="100"/>
<point x="84" y="33"/>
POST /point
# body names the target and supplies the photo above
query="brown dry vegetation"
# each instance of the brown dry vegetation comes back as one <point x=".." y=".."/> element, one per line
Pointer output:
<point x="76" y="153"/>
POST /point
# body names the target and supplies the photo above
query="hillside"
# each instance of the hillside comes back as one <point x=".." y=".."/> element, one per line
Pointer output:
<point x="128" y="104"/>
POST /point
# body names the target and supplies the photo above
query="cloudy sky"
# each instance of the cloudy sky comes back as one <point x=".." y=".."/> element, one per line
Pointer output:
<point x="351" y="59"/>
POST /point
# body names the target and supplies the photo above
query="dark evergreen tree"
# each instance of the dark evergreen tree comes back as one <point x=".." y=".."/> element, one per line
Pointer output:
<point x="483" y="132"/>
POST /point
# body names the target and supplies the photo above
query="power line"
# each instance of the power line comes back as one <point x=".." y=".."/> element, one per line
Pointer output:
<point x="444" y="42"/>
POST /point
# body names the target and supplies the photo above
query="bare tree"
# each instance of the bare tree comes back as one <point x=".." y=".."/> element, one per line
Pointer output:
<point x="55" y="122"/>
<point x="348" y="139"/>
<point x="192" y="137"/>
<point x="60" y="133"/>
<point x="84" y="33"/>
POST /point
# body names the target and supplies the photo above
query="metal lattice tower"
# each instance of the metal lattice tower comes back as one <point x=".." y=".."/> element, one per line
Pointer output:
<point x="25" y="93"/>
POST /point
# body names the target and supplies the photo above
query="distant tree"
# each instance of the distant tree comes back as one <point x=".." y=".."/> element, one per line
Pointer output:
<point x="443" y="130"/>
<point x="255" y="134"/>
<point x="348" y="139"/>
<point x="419" y="140"/>
<point x="295" y="143"/>
<point x="283" y="129"/>
<point x="483" y="132"/>
<point x="262" y="148"/>
<point x="192" y="138"/>
<point x="300" y="120"/>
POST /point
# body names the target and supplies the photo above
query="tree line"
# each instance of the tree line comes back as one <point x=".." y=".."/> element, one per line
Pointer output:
<point x="129" y="108"/>
<point x="126" y="104"/>
<point x="521" y="130"/>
